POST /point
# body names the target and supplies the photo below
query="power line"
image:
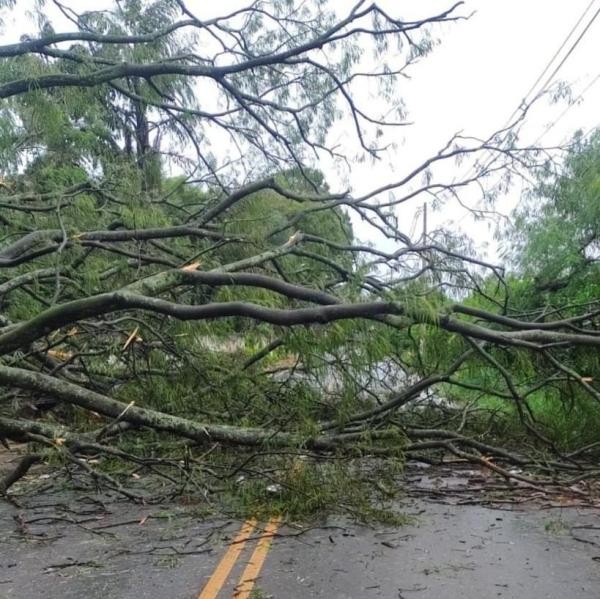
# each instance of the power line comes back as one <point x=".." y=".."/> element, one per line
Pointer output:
<point x="525" y="104"/>
<point x="575" y="44"/>
<point x="549" y="63"/>
<point x="573" y="103"/>
<point x="560" y="117"/>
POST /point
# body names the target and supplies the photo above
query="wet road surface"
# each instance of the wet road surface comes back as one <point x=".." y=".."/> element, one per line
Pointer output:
<point x="72" y="547"/>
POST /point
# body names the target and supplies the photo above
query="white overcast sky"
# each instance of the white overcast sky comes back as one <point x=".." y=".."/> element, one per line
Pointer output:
<point x="471" y="82"/>
<point x="480" y="73"/>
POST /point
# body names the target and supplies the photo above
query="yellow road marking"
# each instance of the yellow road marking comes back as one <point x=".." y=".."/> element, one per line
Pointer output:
<point x="215" y="584"/>
<point x="250" y="574"/>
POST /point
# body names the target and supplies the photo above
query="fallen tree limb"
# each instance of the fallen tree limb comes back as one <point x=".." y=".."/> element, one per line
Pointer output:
<point x="197" y="431"/>
<point x="22" y="468"/>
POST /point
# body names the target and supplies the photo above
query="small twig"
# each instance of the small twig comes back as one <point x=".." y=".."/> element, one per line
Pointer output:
<point x="102" y="432"/>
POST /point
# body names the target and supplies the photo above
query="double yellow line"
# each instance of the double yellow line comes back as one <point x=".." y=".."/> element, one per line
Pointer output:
<point x="254" y="566"/>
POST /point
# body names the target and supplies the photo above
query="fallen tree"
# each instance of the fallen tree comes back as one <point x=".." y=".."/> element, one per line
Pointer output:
<point x="235" y="305"/>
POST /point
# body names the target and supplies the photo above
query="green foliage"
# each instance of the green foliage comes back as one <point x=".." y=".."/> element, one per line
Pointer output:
<point x="555" y="254"/>
<point x="80" y="159"/>
<point x="264" y="220"/>
<point x="301" y="489"/>
<point x="557" y="230"/>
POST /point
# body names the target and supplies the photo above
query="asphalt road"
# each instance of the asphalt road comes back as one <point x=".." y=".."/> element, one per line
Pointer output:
<point x="62" y="546"/>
